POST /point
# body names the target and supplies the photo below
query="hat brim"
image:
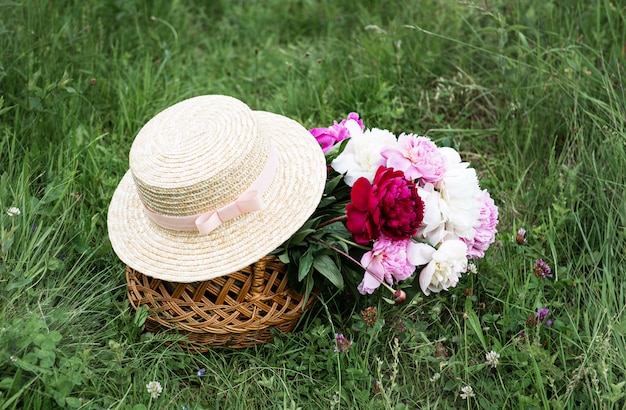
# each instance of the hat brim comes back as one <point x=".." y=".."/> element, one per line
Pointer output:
<point x="186" y="256"/>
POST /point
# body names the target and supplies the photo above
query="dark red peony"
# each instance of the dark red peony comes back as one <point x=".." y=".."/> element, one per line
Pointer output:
<point x="390" y="205"/>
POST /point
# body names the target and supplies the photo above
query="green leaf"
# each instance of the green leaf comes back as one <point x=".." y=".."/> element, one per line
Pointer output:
<point x="46" y="358"/>
<point x="325" y="265"/>
<point x="4" y="182"/>
<point x="53" y="193"/>
<point x="73" y="402"/>
<point x="617" y="388"/>
<point x="300" y="236"/>
<point x="284" y="257"/>
<point x="474" y="323"/>
<point x="19" y="283"/>
<point x="325" y="201"/>
<point x="55" y="337"/>
<point x="308" y="289"/>
<point x="343" y="246"/>
<point x="332" y="183"/>
<point x="337" y="228"/>
<point x="305" y="264"/>
<point x="64" y="386"/>
<point x="6" y="383"/>
<point x="490" y="318"/>
<point x="54" y="264"/>
<point x="334" y="152"/>
<point x="140" y="316"/>
<point x="7" y="239"/>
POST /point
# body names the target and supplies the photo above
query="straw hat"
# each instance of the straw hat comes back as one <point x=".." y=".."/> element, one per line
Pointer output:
<point x="213" y="187"/>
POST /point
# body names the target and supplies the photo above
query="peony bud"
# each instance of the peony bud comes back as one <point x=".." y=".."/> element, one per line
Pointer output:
<point x="399" y="296"/>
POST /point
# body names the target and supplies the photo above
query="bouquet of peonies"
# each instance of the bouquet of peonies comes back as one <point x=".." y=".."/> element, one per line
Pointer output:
<point x="402" y="211"/>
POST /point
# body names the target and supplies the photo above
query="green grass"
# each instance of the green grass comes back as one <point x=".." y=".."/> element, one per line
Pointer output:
<point x="532" y="93"/>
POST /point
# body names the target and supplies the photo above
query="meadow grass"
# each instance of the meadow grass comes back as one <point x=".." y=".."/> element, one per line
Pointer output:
<point x="532" y="93"/>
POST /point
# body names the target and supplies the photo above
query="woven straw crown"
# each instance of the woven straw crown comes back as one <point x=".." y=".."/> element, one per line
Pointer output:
<point x="203" y="166"/>
<point x="201" y="155"/>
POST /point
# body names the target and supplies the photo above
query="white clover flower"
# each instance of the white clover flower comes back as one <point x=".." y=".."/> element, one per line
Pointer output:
<point x="467" y="392"/>
<point x="435" y="377"/>
<point x="471" y="268"/>
<point x="154" y="388"/>
<point x="492" y="359"/>
<point x="13" y="211"/>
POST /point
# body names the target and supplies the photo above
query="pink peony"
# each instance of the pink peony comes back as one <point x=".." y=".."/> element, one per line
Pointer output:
<point x="328" y="137"/>
<point x="388" y="261"/>
<point x="486" y="231"/>
<point x="389" y="206"/>
<point x="418" y="157"/>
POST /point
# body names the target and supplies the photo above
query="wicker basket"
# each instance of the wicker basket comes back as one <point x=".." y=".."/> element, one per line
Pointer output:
<point x="237" y="310"/>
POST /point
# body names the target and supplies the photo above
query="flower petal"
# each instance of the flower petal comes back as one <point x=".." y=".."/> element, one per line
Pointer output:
<point x="426" y="275"/>
<point x="354" y="128"/>
<point x="368" y="285"/>
<point x="451" y="249"/>
<point x="420" y="253"/>
<point x="360" y="193"/>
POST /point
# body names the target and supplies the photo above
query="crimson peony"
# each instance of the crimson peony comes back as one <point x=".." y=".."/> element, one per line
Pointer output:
<point x="390" y="206"/>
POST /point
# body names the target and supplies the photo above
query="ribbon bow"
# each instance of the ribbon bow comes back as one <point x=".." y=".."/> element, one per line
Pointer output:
<point x="249" y="201"/>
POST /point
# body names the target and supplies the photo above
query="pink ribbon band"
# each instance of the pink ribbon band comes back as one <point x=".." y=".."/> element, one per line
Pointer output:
<point x="250" y="200"/>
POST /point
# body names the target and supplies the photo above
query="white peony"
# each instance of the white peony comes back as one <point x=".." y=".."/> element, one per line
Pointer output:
<point x="433" y="227"/>
<point x="451" y="207"/>
<point x="444" y="265"/>
<point x="361" y="156"/>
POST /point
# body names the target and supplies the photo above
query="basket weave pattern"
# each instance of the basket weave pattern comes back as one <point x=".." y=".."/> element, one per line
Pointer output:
<point x="237" y="310"/>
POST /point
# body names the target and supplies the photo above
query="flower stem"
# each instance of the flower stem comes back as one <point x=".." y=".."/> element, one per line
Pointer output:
<point x="353" y="244"/>
<point x="392" y="290"/>
<point x="332" y="221"/>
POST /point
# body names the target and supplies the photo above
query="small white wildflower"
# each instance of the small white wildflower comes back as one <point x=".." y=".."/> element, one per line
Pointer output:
<point x="13" y="211"/>
<point x="435" y="377"/>
<point x="471" y="268"/>
<point x="492" y="359"/>
<point x="154" y="388"/>
<point x="14" y="358"/>
<point x="466" y="392"/>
